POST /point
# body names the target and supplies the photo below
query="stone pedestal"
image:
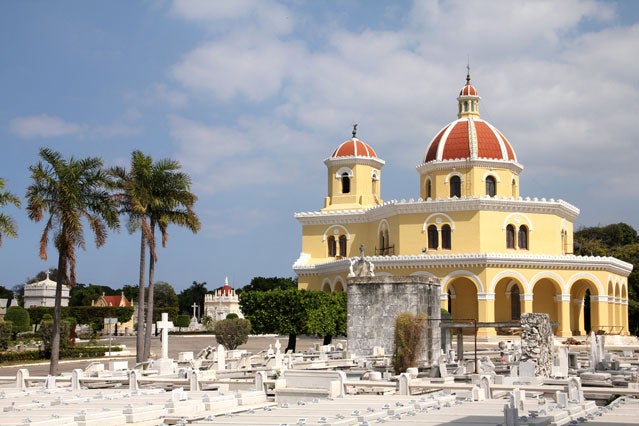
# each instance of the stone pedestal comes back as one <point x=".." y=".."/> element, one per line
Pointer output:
<point x="375" y="302"/>
<point x="537" y="342"/>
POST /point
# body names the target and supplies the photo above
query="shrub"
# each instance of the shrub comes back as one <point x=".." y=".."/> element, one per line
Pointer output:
<point x="232" y="333"/>
<point x="46" y="328"/>
<point x="409" y="332"/>
<point x="232" y="316"/>
<point x="182" y="321"/>
<point x="20" y="319"/>
<point x="5" y="334"/>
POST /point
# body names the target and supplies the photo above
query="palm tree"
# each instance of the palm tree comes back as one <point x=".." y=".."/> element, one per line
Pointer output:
<point x="7" y="224"/>
<point x="133" y="198"/>
<point x="153" y="195"/>
<point x="172" y="204"/>
<point x="70" y="191"/>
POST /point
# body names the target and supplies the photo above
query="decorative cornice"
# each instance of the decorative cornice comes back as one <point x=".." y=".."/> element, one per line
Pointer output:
<point x="492" y="260"/>
<point x="436" y="165"/>
<point x="394" y="208"/>
<point x="345" y="161"/>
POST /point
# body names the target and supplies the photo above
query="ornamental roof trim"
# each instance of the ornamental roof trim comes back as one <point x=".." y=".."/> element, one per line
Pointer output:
<point x="497" y="260"/>
<point x="390" y="208"/>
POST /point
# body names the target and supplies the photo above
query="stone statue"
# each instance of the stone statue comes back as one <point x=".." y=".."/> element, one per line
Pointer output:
<point x="361" y="267"/>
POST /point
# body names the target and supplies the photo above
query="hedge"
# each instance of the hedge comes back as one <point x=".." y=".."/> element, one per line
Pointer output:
<point x="71" y="352"/>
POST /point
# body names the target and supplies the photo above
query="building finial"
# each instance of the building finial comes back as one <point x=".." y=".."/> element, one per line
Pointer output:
<point x="468" y="72"/>
<point x="354" y="130"/>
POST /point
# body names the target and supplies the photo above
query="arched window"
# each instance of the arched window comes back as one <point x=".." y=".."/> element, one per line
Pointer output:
<point x="514" y="188"/>
<point x="564" y="242"/>
<point x="346" y="183"/>
<point x="433" y="237"/>
<point x="491" y="186"/>
<point x="382" y="241"/>
<point x="429" y="188"/>
<point x="446" y="237"/>
<point x="455" y="187"/>
<point x="510" y="237"/>
<point x="515" y="303"/>
<point x="342" y="245"/>
<point x="522" y="237"/>
<point x="332" y="246"/>
<point x="465" y="106"/>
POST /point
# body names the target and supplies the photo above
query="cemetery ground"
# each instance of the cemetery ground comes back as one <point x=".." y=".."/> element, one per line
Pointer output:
<point x="298" y="402"/>
<point x="177" y="343"/>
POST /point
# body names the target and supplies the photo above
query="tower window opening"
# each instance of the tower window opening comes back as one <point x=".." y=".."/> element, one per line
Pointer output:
<point x="342" y="245"/>
<point x="455" y="187"/>
<point x="429" y="188"/>
<point x="510" y="237"/>
<point x="522" y="237"/>
<point x="346" y="183"/>
<point x="491" y="186"/>
<point x="332" y="246"/>
<point x="465" y="106"/>
<point x="433" y="237"/>
<point x="564" y="241"/>
<point x="446" y="237"/>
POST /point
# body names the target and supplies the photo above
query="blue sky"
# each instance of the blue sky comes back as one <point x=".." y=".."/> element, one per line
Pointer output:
<point x="252" y="95"/>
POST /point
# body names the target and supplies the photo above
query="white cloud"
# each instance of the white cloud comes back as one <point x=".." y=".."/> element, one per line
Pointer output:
<point x="264" y="16"/>
<point x="43" y="126"/>
<point x="253" y="69"/>
<point x="564" y="97"/>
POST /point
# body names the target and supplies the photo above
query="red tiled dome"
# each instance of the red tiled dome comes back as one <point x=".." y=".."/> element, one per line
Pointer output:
<point x="226" y="290"/>
<point x="354" y="148"/>
<point x="469" y="138"/>
<point x="468" y="90"/>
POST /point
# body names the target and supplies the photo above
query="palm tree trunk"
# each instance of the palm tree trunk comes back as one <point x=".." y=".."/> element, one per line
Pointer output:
<point x="57" y="312"/>
<point x="139" y="343"/>
<point x="149" y="310"/>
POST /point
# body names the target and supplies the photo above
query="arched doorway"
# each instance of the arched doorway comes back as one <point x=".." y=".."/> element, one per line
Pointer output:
<point x="462" y="299"/>
<point x="582" y="316"/>
<point x="508" y="300"/>
<point x="545" y="292"/>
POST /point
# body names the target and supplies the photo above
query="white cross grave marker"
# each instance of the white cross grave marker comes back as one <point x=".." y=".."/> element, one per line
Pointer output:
<point x="165" y="324"/>
<point x="194" y="306"/>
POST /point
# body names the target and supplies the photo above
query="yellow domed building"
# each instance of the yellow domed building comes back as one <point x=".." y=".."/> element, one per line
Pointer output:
<point x="496" y="254"/>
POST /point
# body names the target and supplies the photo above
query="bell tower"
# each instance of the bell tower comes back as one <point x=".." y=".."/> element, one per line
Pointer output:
<point x="354" y="176"/>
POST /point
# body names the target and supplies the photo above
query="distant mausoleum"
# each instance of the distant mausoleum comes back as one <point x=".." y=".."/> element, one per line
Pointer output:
<point x="121" y="301"/>
<point x="42" y="293"/>
<point x="222" y="302"/>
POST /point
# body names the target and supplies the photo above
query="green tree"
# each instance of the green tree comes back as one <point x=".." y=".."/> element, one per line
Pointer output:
<point x="270" y="283"/>
<point x="70" y="192"/>
<point x="619" y="240"/>
<point x="232" y="333"/>
<point x="294" y="312"/>
<point x="83" y="295"/>
<point x="20" y="319"/>
<point x="154" y="196"/>
<point x="164" y="299"/>
<point x="7" y="223"/>
<point x="130" y="292"/>
<point x="194" y="294"/>
<point x="5" y="293"/>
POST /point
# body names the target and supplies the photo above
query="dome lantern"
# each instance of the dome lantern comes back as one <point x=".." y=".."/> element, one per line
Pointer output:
<point x="468" y="100"/>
